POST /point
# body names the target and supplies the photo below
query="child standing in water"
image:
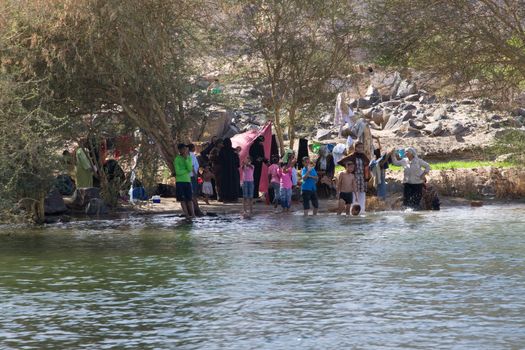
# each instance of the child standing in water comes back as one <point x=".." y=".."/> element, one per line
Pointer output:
<point x="346" y="186"/>
<point x="247" y="186"/>
<point x="207" y="187"/>
<point x="362" y="174"/>
<point x="273" y="174"/>
<point x="286" y="184"/>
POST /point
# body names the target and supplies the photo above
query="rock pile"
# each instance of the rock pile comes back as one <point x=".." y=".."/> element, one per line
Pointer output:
<point x="408" y="112"/>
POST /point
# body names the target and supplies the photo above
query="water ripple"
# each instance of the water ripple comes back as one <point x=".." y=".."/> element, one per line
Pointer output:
<point x="449" y="279"/>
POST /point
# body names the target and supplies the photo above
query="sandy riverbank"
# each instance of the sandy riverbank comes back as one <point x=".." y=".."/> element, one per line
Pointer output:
<point x="171" y="206"/>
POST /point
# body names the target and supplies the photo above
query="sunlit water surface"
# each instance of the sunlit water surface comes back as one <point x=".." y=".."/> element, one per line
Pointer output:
<point x="439" y="280"/>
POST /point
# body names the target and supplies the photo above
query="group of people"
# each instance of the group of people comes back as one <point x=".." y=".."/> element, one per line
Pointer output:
<point x="218" y="171"/>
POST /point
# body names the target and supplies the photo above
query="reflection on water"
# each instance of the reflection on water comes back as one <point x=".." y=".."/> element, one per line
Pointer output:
<point x="449" y="279"/>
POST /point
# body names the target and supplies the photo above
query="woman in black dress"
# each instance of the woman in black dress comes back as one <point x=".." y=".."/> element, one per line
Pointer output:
<point x="229" y="175"/>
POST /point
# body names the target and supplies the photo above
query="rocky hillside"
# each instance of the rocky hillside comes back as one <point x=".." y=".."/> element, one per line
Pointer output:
<point x="398" y="111"/>
<point x="440" y="128"/>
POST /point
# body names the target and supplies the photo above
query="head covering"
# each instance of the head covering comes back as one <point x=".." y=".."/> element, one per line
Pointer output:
<point x="412" y="150"/>
<point x="227" y="143"/>
<point x="287" y="153"/>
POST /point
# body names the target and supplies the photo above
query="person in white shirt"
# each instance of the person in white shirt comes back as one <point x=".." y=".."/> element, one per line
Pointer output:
<point x="414" y="177"/>
<point x="194" y="179"/>
<point x="344" y="115"/>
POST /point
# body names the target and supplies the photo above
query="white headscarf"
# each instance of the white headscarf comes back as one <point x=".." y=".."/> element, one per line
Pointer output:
<point x="413" y="151"/>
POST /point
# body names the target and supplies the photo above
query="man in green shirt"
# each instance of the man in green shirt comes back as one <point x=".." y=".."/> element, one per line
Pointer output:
<point x="183" y="169"/>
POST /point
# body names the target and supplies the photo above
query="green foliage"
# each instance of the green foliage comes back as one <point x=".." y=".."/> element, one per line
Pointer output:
<point x="301" y="45"/>
<point x="511" y="142"/>
<point x="72" y="68"/>
<point x="29" y="140"/>
<point x="453" y="164"/>
<point x="133" y="58"/>
<point x="467" y="44"/>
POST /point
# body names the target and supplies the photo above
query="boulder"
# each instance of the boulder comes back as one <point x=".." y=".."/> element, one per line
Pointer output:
<point x="519" y="112"/>
<point x="486" y="104"/>
<point x="393" y="103"/>
<point x="65" y="185"/>
<point x="395" y="83"/>
<point x="405" y="130"/>
<point x="328" y="119"/>
<point x="412" y="98"/>
<point x="364" y="103"/>
<point x="416" y="124"/>
<point x="202" y="83"/>
<point x="372" y="94"/>
<point x="217" y="124"/>
<point x="457" y="128"/>
<point x="406" y="87"/>
<point x="82" y="196"/>
<point x="439" y="114"/>
<point x="435" y="129"/>
<point x="367" y="113"/>
<point x="377" y="116"/>
<point x="96" y="206"/>
<point x="323" y="134"/>
<point x="467" y="102"/>
<point x="428" y="99"/>
<point x="54" y="203"/>
<point x="231" y="131"/>
<point x="395" y="121"/>
<point x="409" y="107"/>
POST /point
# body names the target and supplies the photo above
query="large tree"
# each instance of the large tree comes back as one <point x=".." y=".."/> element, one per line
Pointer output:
<point x="474" y="44"/>
<point x="89" y="56"/>
<point x="301" y="46"/>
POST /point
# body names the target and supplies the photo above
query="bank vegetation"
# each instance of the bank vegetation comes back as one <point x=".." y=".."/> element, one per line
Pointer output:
<point x="72" y="70"/>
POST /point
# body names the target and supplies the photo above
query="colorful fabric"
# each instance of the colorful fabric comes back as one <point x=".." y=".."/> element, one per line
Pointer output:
<point x="273" y="170"/>
<point x="247" y="173"/>
<point x="246" y="139"/>
<point x="309" y="184"/>
<point x="286" y="179"/>
<point x="360" y="175"/>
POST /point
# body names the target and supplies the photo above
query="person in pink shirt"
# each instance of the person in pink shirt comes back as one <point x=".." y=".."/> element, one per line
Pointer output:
<point x="247" y="186"/>
<point x="275" y="179"/>
<point x="286" y="183"/>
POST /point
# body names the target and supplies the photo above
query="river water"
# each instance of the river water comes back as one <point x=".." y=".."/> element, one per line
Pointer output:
<point x="453" y="279"/>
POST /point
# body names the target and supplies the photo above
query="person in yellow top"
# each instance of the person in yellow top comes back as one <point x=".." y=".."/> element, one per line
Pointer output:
<point x="183" y="169"/>
<point x="84" y="169"/>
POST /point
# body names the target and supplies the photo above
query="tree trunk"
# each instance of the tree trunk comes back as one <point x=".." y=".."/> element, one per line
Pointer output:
<point x="39" y="213"/>
<point x="291" y="126"/>
<point x="278" y="129"/>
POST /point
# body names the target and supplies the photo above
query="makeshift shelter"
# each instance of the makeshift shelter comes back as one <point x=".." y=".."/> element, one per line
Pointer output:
<point x="245" y="140"/>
